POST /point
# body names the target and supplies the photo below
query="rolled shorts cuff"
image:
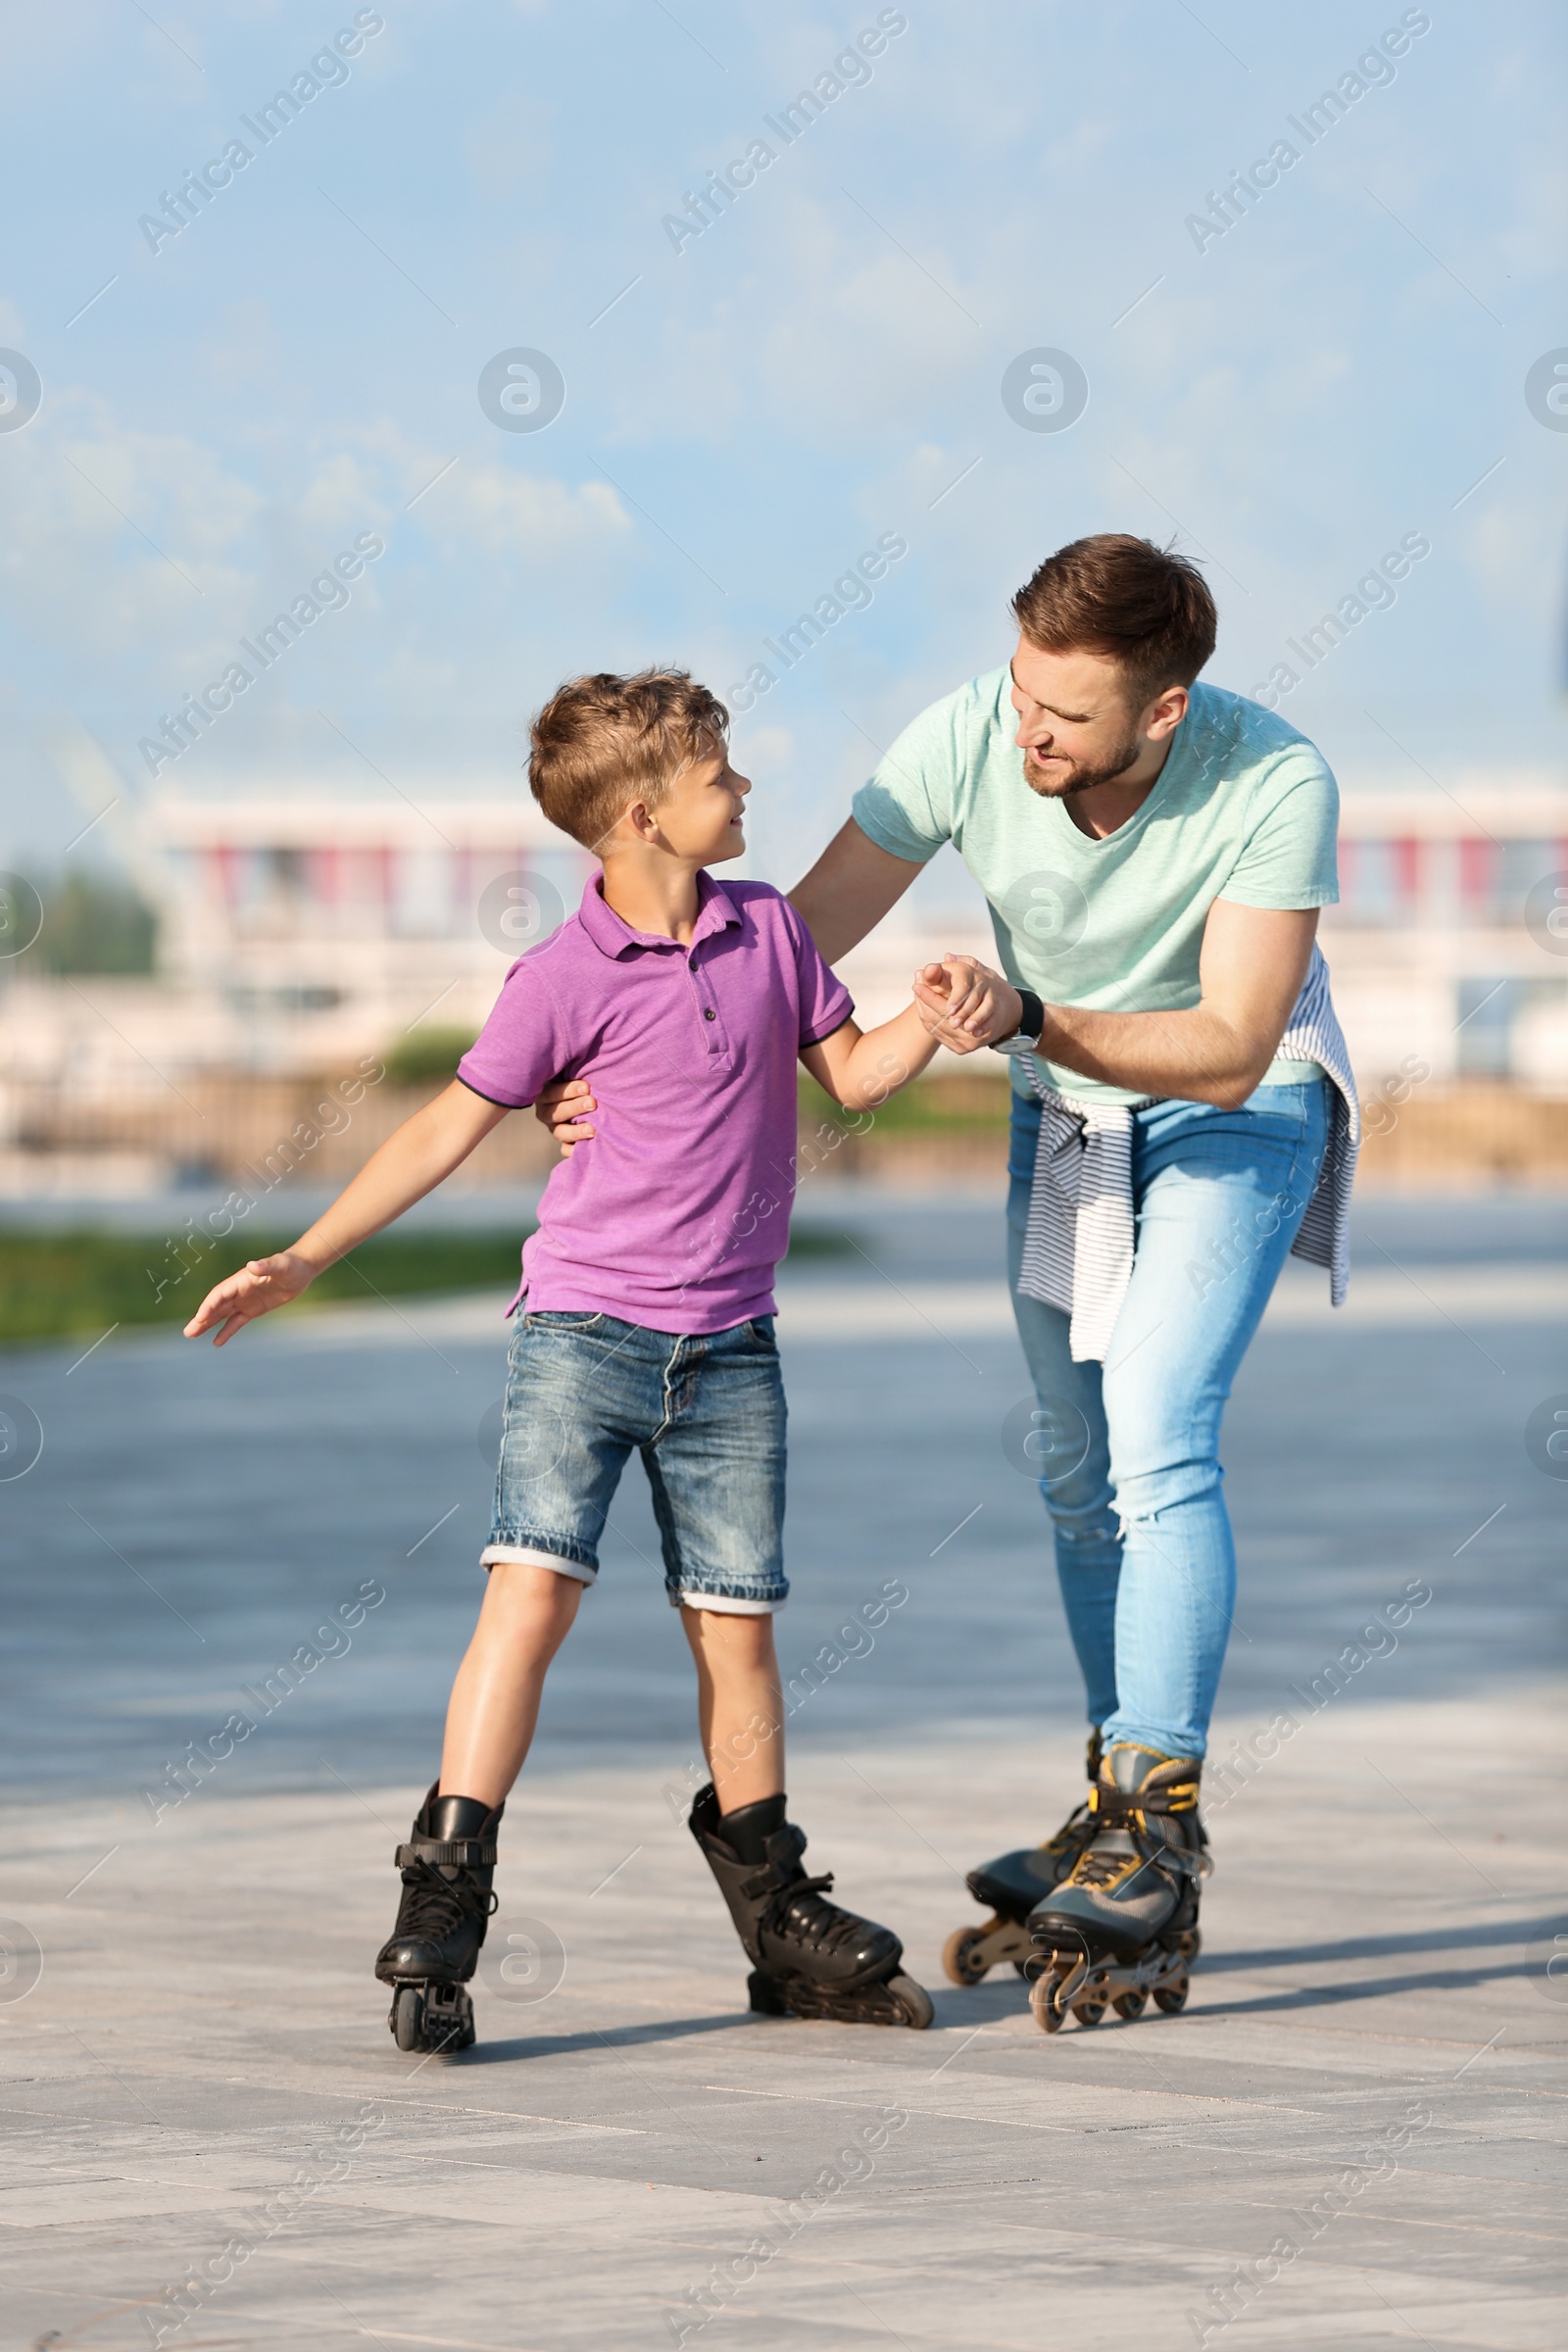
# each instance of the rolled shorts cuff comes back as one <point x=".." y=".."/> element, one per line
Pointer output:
<point x="536" y="1555"/>
<point x="724" y="1604"/>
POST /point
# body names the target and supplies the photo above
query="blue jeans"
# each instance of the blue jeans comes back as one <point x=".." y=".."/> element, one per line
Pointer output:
<point x="1129" y="1452"/>
<point x="706" y="1413"/>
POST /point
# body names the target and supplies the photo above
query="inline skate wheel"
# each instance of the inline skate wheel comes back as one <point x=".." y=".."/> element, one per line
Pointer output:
<point x="1089" y="2013"/>
<point x="1130" y="2004"/>
<point x="960" y="1961"/>
<point x="407" y="2017"/>
<point x="913" y="2003"/>
<point x="1172" y="1997"/>
<point x="1043" y="2002"/>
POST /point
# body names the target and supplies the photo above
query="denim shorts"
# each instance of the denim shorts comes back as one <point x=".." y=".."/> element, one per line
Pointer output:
<point x="706" y="1414"/>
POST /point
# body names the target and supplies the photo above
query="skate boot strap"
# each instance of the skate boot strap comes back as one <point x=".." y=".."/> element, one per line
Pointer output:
<point x="782" y="1867"/>
<point x="1113" y="1808"/>
<point x="771" y="1880"/>
<point x="461" y="1853"/>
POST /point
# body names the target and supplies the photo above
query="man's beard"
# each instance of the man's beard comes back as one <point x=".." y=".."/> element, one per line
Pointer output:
<point x="1082" y="775"/>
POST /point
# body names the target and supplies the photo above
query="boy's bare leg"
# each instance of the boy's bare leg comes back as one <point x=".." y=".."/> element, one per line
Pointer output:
<point x="528" y="1614"/>
<point x="740" y="1706"/>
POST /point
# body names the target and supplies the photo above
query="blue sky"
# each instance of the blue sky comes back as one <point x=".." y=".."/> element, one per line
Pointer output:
<point x="820" y="367"/>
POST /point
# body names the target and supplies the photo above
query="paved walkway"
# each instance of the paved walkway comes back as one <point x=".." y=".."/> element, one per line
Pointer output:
<point x="1352" y="2135"/>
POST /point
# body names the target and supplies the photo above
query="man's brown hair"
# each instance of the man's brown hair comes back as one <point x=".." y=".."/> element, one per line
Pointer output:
<point x="602" y="742"/>
<point x="1115" y="594"/>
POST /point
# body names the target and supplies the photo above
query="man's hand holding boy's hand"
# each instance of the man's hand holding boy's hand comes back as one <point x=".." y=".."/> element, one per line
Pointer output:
<point x="966" y="1004"/>
<point x="266" y="1283"/>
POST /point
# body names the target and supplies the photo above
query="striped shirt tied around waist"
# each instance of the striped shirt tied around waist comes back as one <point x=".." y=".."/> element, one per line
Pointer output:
<point x="1080" y="1238"/>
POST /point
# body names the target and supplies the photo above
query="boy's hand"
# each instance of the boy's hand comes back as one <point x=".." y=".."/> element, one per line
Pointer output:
<point x="266" y="1283"/>
<point x="966" y="1004"/>
<point x="562" y="1109"/>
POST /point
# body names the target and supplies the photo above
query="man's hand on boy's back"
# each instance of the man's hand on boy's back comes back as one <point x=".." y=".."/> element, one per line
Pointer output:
<point x="562" y="1109"/>
<point x="266" y="1283"/>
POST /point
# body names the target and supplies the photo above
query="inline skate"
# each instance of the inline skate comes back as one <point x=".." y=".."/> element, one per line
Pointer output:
<point x="448" y="1866"/>
<point x="809" y="1958"/>
<point x="1122" y="1925"/>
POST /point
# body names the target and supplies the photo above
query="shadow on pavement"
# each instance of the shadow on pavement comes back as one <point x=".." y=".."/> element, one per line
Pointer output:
<point x="1380" y="1947"/>
<point x="559" y="2045"/>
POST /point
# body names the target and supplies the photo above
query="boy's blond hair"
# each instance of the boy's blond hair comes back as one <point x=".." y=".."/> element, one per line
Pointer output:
<point x="602" y="742"/>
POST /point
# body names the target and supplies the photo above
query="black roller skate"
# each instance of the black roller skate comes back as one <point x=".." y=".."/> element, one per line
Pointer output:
<point x="1123" y="1924"/>
<point x="1011" y="1885"/>
<point x="447" y="1866"/>
<point x="808" y="1957"/>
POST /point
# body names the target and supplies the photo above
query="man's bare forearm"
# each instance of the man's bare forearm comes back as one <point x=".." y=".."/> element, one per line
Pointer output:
<point x="1195" y="1055"/>
<point x="849" y="890"/>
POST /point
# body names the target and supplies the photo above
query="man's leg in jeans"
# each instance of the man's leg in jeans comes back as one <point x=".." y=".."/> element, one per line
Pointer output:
<point x="1219" y="1197"/>
<point x="1068" y="1449"/>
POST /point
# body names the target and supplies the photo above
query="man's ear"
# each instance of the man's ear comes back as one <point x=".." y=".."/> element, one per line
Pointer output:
<point x="1165" y="714"/>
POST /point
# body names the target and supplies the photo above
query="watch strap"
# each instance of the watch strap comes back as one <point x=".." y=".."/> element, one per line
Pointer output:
<point x="1032" y="1018"/>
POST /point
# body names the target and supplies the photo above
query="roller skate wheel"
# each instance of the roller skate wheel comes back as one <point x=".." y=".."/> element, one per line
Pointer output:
<point x="447" y="2019"/>
<point x="961" y="1963"/>
<point x="914" y="2004"/>
<point x="1172" y="1997"/>
<point x="1191" y="1944"/>
<point x="1089" y="2013"/>
<point x="407" y="2017"/>
<point x="1130" y="2004"/>
<point x="1043" y="2002"/>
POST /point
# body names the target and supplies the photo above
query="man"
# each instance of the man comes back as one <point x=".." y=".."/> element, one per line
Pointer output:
<point x="1154" y="853"/>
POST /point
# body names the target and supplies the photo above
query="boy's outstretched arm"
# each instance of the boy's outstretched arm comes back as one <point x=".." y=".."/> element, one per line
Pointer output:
<point x="412" y="1162"/>
<point x="860" y="1070"/>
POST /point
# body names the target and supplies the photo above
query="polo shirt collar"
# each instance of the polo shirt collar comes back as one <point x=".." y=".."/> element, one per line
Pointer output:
<point x="716" y="911"/>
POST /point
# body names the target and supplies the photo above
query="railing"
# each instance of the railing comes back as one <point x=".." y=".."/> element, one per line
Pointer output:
<point x="255" y="1133"/>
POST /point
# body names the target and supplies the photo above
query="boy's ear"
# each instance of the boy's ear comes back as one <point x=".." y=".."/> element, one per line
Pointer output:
<point x="633" y="823"/>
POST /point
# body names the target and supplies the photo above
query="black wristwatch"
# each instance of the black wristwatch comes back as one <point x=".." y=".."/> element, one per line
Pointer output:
<point x="1031" y="1025"/>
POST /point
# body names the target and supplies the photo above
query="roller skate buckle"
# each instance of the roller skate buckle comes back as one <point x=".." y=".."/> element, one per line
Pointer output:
<point x="1072" y="1984"/>
<point x="970" y="1953"/>
<point x="431" y="2017"/>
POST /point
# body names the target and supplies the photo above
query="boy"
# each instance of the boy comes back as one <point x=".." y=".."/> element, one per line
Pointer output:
<point x="648" y="1323"/>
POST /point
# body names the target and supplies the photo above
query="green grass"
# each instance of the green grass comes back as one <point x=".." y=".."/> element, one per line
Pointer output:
<point x="56" y="1284"/>
<point x="930" y="1107"/>
<point x="429" y="1054"/>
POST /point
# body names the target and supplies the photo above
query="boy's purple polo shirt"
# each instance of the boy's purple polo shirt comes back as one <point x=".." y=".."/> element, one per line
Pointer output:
<point x="676" y="1212"/>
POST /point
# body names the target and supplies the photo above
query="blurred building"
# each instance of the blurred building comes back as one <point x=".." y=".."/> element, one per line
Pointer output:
<point x="1449" y="945"/>
<point x="298" y="931"/>
<point x="326" y="928"/>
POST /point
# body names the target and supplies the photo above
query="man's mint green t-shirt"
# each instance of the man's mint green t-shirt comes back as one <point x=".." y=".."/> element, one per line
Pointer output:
<point x="1244" y="808"/>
